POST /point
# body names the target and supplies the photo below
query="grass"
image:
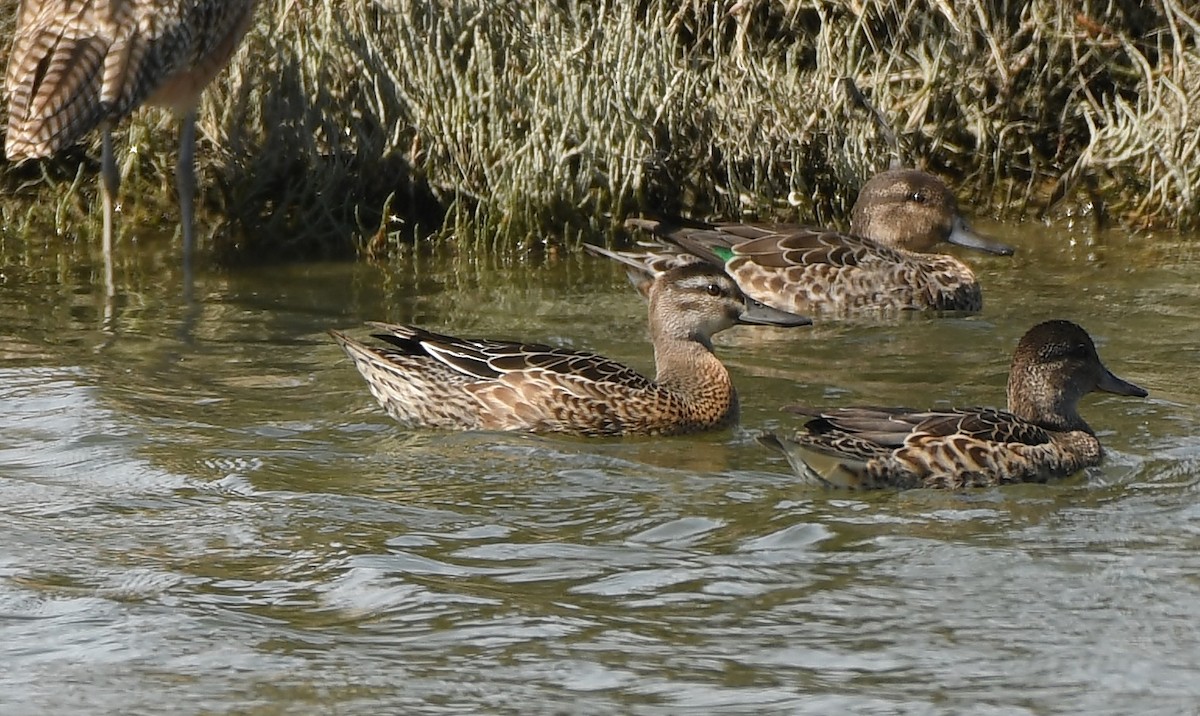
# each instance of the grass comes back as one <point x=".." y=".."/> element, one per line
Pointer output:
<point x="510" y="126"/>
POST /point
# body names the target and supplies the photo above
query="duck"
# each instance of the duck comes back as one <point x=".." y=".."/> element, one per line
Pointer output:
<point x="430" y="380"/>
<point x="1039" y="437"/>
<point x="883" y="264"/>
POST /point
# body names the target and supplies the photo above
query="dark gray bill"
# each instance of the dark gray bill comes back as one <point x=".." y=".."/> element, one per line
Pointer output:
<point x="963" y="235"/>
<point x="1110" y="383"/>
<point x="760" y="314"/>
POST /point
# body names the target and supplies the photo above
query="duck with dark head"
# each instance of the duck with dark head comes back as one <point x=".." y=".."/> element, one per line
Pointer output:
<point x="1040" y="436"/>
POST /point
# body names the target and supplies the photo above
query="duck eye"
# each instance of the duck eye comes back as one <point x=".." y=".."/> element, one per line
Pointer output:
<point x="713" y="289"/>
<point x="917" y="197"/>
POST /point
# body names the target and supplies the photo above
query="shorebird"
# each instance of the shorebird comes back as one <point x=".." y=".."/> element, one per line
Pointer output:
<point x="81" y="64"/>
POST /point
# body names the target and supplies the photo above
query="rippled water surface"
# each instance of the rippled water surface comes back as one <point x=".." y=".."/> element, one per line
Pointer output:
<point x="204" y="512"/>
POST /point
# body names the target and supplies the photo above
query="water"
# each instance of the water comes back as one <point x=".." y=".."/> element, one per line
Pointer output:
<point x="204" y="511"/>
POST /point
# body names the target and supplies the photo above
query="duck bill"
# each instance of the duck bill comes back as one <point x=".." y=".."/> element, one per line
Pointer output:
<point x="961" y="234"/>
<point x="757" y="313"/>
<point x="1110" y="383"/>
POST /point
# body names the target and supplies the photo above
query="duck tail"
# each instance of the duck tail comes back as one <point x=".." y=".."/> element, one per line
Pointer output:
<point x="815" y="467"/>
<point x="639" y="272"/>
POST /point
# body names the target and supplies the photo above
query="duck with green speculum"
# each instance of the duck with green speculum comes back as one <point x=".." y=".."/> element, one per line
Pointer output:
<point x="1041" y="435"/>
<point x="428" y="380"/>
<point x="883" y="264"/>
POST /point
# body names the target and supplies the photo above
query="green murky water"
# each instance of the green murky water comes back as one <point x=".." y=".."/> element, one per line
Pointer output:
<point x="204" y="512"/>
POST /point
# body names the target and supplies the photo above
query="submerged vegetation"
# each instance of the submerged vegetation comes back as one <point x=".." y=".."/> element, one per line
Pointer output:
<point x="359" y="124"/>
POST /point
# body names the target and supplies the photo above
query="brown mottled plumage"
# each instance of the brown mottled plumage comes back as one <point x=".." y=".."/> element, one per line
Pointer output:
<point x="880" y="265"/>
<point x="424" y="379"/>
<point x="1041" y="435"/>
<point x="81" y="64"/>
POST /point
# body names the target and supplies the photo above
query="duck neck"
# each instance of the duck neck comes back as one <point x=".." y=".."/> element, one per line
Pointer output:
<point x="862" y="223"/>
<point x="687" y="367"/>
<point x="1044" y="408"/>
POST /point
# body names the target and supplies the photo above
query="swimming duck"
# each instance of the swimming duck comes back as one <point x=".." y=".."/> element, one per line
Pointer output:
<point x="1039" y="437"/>
<point x="425" y="379"/>
<point x="882" y="264"/>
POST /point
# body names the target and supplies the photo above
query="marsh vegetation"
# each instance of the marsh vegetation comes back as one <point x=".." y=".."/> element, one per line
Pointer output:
<point x="358" y="125"/>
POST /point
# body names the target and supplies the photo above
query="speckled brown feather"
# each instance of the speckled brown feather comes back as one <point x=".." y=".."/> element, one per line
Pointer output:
<point x="76" y="64"/>
<point x="1043" y="436"/>
<point x="880" y="266"/>
<point x="425" y="379"/>
<point x="952" y="448"/>
<point x="528" y="387"/>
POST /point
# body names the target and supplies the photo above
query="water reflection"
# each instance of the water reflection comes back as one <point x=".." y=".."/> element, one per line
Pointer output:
<point x="206" y="505"/>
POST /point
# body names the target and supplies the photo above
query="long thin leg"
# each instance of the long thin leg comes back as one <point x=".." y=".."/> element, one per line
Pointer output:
<point x="185" y="184"/>
<point x="110" y="183"/>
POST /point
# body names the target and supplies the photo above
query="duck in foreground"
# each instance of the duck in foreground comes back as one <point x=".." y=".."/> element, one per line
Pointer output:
<point x="424" y="379"/>
<point x="882" y="264"/>
<point x="1041" y="436"/>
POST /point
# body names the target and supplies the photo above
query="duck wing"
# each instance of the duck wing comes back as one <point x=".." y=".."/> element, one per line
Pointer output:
<point x="896" y="427"/>
<point x="770" y="246"/>
<point x="864" y="447"/>
<point x="491" y="360"/>
<point x="788" y="246"/>
<point x="983" y="425"/>
<point x="882" y="428"/>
